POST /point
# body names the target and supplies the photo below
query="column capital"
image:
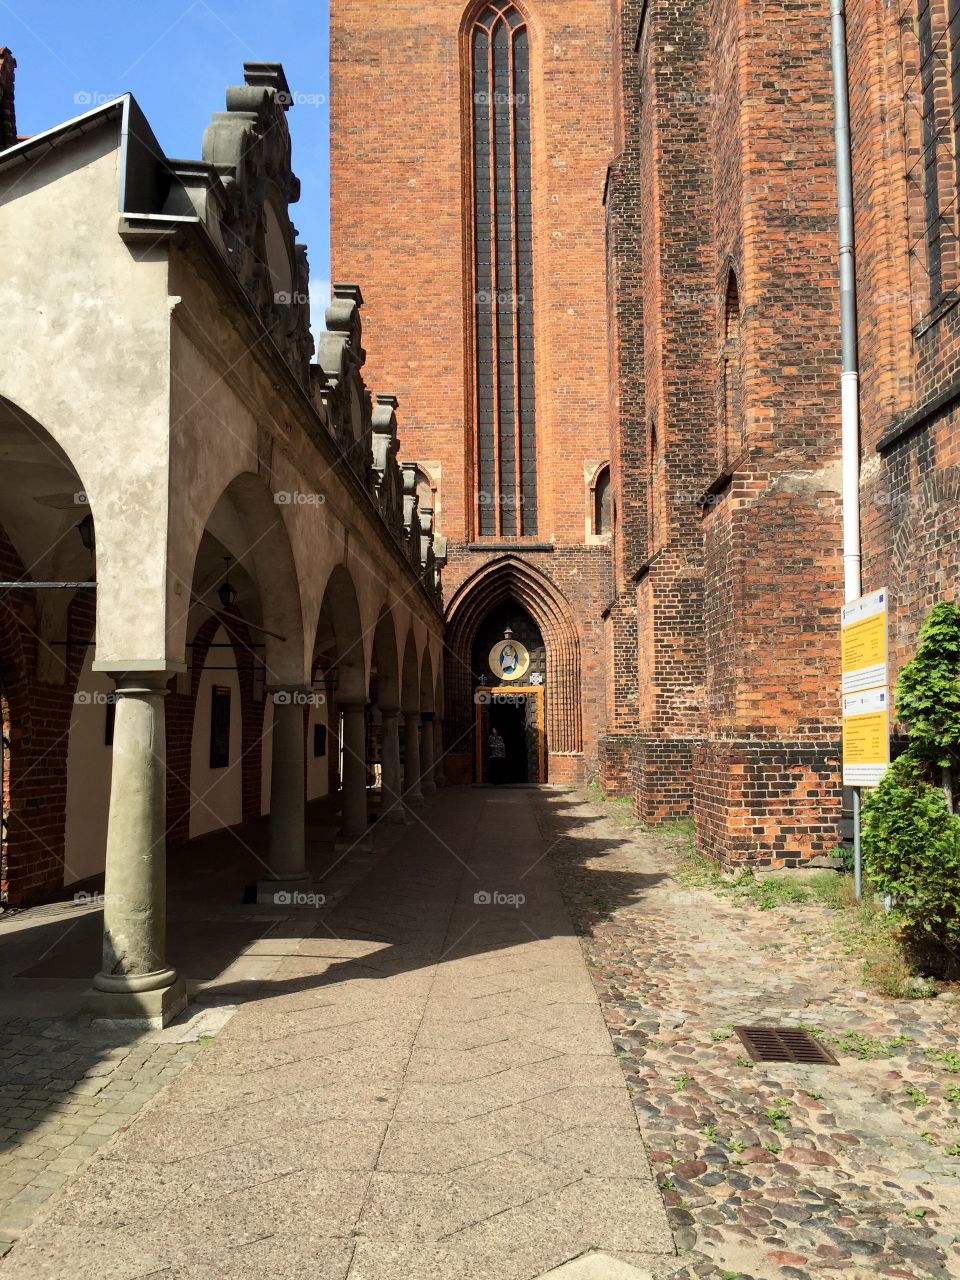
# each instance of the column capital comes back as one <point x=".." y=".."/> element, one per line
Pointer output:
<point x="133" y="684"/>
<point x="352" y="704"/>
<point x="146" y="670"/>
<point x="387" y="713"/>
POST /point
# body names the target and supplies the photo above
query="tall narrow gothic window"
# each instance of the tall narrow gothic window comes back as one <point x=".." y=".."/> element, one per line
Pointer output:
<point x="930" y="53"/>
<point x="505" y="426"/>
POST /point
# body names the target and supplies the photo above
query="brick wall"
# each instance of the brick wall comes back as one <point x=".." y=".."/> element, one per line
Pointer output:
<point x="909" y="351"/>
<point x="399" y="221"/>
<point x="766" y="784"/>
<point x="563" y="590"/>
<point x="721" y="267"/>
<point x="658" y="243"/>
<point x="36" y="727"/>
<point x="767" y="805"/>
<point x="716" y="682"/>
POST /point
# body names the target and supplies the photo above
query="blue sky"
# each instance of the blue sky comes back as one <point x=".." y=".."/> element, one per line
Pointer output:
<point x="177" y="57"/>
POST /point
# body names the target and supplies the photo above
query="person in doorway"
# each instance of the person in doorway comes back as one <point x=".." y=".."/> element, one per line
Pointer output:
<point x="497" y="755"/>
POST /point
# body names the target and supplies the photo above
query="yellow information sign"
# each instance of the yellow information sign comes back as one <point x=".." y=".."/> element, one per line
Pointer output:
<point x="865" y="690"/>
<point x="866" y="737"/>
<point x="863" y="643"/>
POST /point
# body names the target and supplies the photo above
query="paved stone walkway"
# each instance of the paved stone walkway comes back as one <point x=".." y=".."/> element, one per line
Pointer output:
<point x="777" y="1170"/>
<point x="66" y="1087"/>
<point x="424" y="1089"/>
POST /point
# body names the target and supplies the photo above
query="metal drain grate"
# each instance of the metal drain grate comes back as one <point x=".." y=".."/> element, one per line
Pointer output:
<point x="784" y="1044"/>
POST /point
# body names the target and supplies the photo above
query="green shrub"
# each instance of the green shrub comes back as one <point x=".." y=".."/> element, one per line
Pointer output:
<point x="911" y="849"/>
<point x="927" y="693"/>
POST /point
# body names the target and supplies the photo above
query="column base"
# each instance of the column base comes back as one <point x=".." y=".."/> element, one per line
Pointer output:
<point x="279" y="893"/>
<point x="429" y="788"/>
<point x="113" y="998"/>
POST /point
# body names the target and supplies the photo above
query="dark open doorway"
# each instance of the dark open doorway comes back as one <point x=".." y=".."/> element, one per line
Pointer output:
<point x="517" y="715"/>
<point x="510" y="718"/>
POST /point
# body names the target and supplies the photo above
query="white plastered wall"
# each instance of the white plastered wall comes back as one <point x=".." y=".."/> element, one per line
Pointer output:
<point x="109" y="415"/>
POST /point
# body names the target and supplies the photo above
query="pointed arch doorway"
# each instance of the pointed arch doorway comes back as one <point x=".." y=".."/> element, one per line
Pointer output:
<point x="511" y="593"/>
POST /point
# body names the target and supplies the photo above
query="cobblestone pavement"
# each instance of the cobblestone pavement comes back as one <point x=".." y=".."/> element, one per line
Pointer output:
<point x="772" y="1170"/>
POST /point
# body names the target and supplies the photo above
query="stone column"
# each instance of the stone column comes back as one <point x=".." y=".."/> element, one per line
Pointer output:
<point x="391" y="808"/>
<point x="287" y="871"/>
<point x="438" y="777"/>
<point x="353" y="796"/>
<point x="411" y="769"/>
<point x="426" y="754"/>
<point x="135" y="981"/>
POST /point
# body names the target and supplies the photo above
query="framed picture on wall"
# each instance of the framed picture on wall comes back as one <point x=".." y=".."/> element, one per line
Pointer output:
<point x="319" y="740"/>
<point x="219" y="726"/>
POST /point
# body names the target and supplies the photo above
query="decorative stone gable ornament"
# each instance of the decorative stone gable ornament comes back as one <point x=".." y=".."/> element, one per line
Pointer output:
<point x="387" y="476"/>
<point x="249" y="147"/>
<point x="426" y="537"/>
<point x="411" y="513"/>
<point x="341" y="358"/>
<point x="509" y="659"/>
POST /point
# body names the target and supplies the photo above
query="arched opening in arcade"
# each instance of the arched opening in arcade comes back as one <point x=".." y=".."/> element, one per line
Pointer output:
<point x="47" y="616"/>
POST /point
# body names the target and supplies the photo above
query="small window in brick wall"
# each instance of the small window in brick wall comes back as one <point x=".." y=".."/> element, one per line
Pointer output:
<point x="602" y="503"/>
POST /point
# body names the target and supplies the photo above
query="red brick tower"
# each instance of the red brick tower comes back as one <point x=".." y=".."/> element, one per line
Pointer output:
<point x="469" y="146"/>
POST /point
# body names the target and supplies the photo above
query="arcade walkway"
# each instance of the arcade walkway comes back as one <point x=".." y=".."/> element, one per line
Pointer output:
<point x="422" y="1089"/>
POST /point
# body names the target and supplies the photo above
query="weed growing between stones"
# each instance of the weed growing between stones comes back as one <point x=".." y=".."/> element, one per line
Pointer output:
<point x="779" y="1114"/>
<point x="948" y="1059"/>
